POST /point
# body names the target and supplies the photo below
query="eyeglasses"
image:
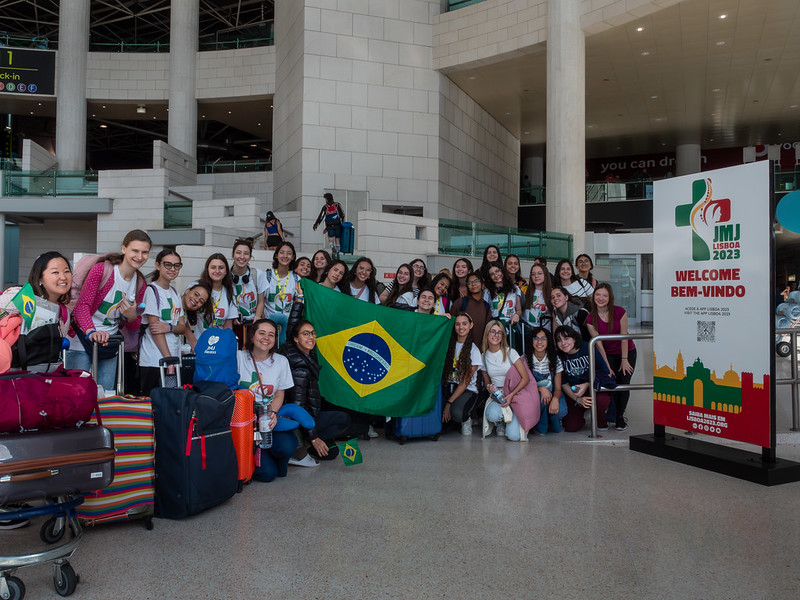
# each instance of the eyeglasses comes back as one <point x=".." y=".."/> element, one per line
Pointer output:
<point x="495" y="332"/>
<point x="308" y="334"/>
<point x="365" y="269"/>
<point x="539" y="339"/>
<point x="418" y="268"/>
<point x="583" y="261"/>
<point x="172" y="266"/>
<point x="474" y="282"/>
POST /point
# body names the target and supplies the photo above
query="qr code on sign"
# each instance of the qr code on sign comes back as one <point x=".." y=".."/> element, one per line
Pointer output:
<point x="707" y="331"/>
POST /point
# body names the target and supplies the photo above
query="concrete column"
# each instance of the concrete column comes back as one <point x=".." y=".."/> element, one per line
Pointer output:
<point x="73" y="52"/>
<point x="183" y="39"/>
<point x="687" y="159"/>
<point x="566" y="133"/>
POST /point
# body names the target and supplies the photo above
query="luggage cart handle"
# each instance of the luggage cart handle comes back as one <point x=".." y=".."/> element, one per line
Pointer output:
<point x="120" y="341"/>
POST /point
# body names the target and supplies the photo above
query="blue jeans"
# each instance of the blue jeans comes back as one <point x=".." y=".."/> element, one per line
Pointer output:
<point x="494" y="414"/>
<point x="106" y="369"/>
<point x="275" y="460"/>
<point x="552" y="422"/>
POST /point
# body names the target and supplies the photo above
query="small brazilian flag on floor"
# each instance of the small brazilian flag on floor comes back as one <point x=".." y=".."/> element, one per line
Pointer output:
<point x="350" y="452"/>
<point x="376" y="359"/>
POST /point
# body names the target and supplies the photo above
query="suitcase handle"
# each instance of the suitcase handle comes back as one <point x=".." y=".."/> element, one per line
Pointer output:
<point x="34" y="476"/>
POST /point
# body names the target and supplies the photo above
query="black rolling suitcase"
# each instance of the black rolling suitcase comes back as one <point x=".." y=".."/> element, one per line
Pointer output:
<point x="45" y="464"/>
<point x="196" y="466"/>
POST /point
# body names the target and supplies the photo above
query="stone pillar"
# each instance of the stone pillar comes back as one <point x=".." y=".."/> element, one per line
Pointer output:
<point x="73" y="53"/>
<point x="183" y="43"/>
<point x="566" y="133"/>
<point x="687" y="159"/>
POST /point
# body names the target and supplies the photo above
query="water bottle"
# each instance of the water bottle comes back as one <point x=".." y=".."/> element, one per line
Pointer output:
<point x="574" y="388"/>
<point x="265" y="430"/>
<point x="498" y="395"/>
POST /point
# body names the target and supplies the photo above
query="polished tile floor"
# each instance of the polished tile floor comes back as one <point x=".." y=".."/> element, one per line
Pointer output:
<point x="563" y="516"/>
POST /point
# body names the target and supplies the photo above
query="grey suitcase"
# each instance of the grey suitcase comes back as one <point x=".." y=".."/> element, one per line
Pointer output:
<point x="47" y="464"/>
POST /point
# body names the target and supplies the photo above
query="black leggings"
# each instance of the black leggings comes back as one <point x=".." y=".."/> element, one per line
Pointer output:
<point x="621" y="398"/>
<point x="461" y="406"/>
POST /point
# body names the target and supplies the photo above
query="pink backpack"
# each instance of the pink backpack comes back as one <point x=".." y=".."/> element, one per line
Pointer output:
<point x="81" y="270"/>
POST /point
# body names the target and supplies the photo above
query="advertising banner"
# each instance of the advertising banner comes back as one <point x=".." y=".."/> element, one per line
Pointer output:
<point x="712" y="331"/>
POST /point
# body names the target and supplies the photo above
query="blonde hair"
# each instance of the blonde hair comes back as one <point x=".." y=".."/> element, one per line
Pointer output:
<point x="503" y="340"/>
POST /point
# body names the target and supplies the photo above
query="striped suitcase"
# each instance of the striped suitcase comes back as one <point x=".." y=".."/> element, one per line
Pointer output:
<point x="131" y="494"/>
<point x="243" y="431"/>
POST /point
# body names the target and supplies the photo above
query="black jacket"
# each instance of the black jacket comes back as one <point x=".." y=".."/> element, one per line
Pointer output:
<point x="305" y="372"/>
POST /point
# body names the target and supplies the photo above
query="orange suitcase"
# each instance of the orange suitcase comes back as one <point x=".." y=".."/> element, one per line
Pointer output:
<point x="243" y="428"/>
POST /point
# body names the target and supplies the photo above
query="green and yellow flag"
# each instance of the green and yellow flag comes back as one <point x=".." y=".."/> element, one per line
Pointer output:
<point x="350" y="452"/>
<point x="376" y="359"/>
<point x="25" y="301"/>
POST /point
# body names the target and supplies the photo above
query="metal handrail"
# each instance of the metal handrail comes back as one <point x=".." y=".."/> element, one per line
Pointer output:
<point x="794" y="380"/>
<point x="620" y="388"/>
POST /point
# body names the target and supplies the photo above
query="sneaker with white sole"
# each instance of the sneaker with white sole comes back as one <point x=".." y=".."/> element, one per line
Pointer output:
<point x="306" y="461"/>
<point x="501" y="430"/>
<point x="372" y="433"/>
<point x="466" y="427"/>
<point x="622" y="424"/>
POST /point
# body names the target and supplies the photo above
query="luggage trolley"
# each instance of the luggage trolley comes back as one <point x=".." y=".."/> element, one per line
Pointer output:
<point x="65" y="580"/>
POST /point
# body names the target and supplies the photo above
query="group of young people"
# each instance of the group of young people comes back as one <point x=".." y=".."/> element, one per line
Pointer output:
<point x="518" y="356"/>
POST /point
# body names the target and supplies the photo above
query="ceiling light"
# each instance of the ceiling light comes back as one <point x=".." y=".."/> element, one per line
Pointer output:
<point x="720" y="43"/>
<point x="508" y="113"/>
<point x="202" y="116"/>
<point x="527" y="133"/>
<point x="253" y="145"/>
<point x="141" y="109"/>
<point x="40" y="103"/>
<point x="723" y="16"/>
<point x="103" y="126"/>
<point x="229" y="112"/>
<point x="715" y="90"/>
<point x="793" y="106"/>
<point x="640" y="29"/>
<point x="472" y="77"/>
<point x="32" y="113"/>
<point x="645" y="53"/>
<point x="653" y="97"/>
<point x="659" y="118"/>
<point x="711" y="140"/>
<point x="103" y="106"/>
<point x="245" y="156"/>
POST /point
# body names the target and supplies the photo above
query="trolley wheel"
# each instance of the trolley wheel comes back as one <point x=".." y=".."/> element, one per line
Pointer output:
<point x="64" y="579"/>
<point x="783" y="349"/>
<point x="148" y="523"/>
<point x="240" y="487"/>
<point x="402" y="439"/>
<point x="16" y="589"/>
<point x="49" y="533"/>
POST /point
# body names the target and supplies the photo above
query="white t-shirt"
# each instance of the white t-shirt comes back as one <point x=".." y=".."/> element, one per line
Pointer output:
<point x="505" y="311"/>
<point x="223" y="309"/>
<point x="279" y="292"/>
<point x="167" y="306"/>
<point x="275" y="375"/>
<point x="475" y="360"/>
<point x="533" y="314"/>
<point x="245" y="295"/>
<point x="541" y="371"/>
<point x="363" y="294"/>
<point x="496" y="368"/>
<point x="107" y="316"/>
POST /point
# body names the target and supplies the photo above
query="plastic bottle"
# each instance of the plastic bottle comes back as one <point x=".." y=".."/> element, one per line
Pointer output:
<point x="265" y="430"/>
<point x="498" y="395"/>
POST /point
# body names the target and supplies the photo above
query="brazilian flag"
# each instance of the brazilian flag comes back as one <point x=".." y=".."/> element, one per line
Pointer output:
<point x="25" y="301"/>
<point x="376" y="359"/>
<point x="350" y="452"/>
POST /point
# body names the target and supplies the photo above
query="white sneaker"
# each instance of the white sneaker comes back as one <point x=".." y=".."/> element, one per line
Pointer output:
<point x="306" y="461"/>
<point x="501" y="430"/>
<point x="466" y="427"/>
<point x="372" y="433"/>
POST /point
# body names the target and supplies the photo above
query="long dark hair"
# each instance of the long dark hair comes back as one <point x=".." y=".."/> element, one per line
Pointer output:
<point x="518" y="278"/>
<point x="558" y="271"/>
<point x="591" y="265"/>
<point x="191" y="315"/>
<point x="507" y="285"/>
<point x="463" y="365"/>
<point x="38" y="269"/>
<point x="159" y="258"/>
<point x="371" y="283"/>
<point x="227" y="281"/>
<point x="436" y="280"/>
<point x="550" y="353"/>
<point x="397" y="289"/>
<point x="455" y="285"/>
<point x="423" y="281"/>
<point x="343" y="285"/>
<point x="485" y="263"/>
<point x="315" y="276"/>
